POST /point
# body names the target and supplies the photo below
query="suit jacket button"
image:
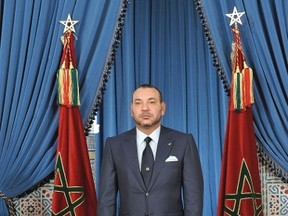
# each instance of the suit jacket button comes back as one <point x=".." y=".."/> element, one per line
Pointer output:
<point x="147" y="194"/>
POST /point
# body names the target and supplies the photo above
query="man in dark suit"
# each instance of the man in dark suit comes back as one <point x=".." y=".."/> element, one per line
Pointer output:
<point x="172" y="184"/>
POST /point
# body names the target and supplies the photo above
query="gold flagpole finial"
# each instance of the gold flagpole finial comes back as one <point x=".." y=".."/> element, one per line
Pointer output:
<point x="235" y="17"/>
<point x="69" y="24"/>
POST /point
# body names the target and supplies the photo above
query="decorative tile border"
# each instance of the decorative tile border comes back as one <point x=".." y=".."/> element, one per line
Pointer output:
<point x="36" y="203"/>
<point x="274" y="194"/>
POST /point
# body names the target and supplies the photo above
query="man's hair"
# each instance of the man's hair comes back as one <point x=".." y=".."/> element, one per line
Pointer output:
<point x="145" y="85"/>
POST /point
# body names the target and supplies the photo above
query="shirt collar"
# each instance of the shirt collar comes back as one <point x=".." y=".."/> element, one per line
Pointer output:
<point x="154" y="135"/>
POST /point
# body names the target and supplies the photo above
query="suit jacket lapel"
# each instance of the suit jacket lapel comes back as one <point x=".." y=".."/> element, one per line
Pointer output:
<point x="130" y="149"/>
<point x="164" y="147"/>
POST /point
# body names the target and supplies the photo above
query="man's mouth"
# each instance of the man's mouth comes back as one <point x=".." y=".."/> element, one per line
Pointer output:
<point x="146" y="115"/>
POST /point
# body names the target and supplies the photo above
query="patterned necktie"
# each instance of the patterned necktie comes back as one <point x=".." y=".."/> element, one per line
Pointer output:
<point x="147" y="162"/>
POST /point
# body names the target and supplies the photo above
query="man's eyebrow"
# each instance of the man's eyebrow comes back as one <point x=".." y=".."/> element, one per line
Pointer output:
<point x="138" y="99"/>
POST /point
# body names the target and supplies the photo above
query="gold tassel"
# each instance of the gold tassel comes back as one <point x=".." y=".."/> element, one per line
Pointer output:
<point x="248" y="85"/>
<point x="237" y="86"/>
<point x="68" y="89"/>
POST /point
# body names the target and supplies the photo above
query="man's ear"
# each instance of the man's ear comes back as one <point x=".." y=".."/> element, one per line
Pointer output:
<point x="163" y="107"/>
<point x="131" y="109"/>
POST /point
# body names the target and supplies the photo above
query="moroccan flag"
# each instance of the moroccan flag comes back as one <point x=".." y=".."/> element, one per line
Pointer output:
<point x="74" y="190"/>
<point x="240" y="188"/>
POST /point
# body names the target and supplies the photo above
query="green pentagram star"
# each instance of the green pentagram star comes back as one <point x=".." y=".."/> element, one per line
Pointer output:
<point x="240" y="195"/>
<point x="67" y="191"/>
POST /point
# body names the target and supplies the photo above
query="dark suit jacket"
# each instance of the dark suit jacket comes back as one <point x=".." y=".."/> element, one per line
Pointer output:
<point x="120" y="173"/>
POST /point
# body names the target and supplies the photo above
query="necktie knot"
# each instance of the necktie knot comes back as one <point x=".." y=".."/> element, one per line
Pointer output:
<point x="147" y="140"/>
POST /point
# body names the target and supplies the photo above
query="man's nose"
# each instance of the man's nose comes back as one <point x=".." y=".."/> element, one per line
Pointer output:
<point x="145" y="106"/>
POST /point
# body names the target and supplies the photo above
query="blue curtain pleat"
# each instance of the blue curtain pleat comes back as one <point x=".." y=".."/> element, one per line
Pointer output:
<point x="30" y="52"/>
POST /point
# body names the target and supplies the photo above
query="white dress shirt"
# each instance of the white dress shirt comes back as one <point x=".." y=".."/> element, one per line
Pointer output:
<point x="141" y="144"/>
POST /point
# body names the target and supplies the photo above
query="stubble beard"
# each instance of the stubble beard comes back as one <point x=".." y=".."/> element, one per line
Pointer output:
<point x="148" y="125"/>
<point x="142" y="123"/>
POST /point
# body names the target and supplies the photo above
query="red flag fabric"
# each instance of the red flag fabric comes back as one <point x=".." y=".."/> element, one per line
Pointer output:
<point x="74" y="189"/>
<point x="240" y="187"/>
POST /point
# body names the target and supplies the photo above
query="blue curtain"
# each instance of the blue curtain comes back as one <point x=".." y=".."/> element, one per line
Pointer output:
<point x="30" y="51"/>
<point x="264" y="39"/>
<point x="184" y="48"/>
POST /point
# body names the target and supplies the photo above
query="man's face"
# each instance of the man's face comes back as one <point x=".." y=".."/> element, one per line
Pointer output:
<point x="146" y="108"/>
